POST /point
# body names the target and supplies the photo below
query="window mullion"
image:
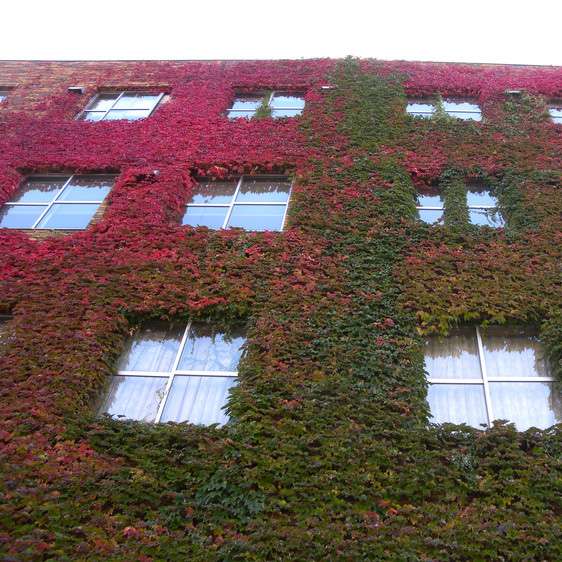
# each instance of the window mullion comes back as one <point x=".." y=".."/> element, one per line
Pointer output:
<point x="231" y="206"/>
<point x="172" y="375"/>
<point x="155" y="104"/>
<point x="487" y="395"/>
<point x="287" y="206"/>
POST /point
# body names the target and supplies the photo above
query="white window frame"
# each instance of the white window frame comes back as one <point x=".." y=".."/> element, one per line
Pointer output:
<point x="175" y="372"/>
<point x="431" y="208"/>
<point x="486" y="379"/>
<point x="54" y="201"/>
<point x="423" y="101"/>
<point x="482" y="207"/>
<point x="555" y="105"/>
<point x="430" y="114"/>
<point x="464" y="111"/>
<point x="230" y="206"/>
<point x="268" y="103"/>
<point x="84" y="112"/>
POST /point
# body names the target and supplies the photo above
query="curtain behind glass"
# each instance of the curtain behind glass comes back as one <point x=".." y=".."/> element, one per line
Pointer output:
<point x="457" y="403"/>
<point x="453" y="357"/>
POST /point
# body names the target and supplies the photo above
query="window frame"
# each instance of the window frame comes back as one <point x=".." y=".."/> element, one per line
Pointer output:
<point x="451" y="113"/>
<point x="476" y="183"/>
<point x="4" y="93"/>
<point x="485" y="380"/>
<point x="55" y="200"/>
<point x="82" y="115"/>
<point x="439" y="221"/>
<point x="267" y="101"/>
<point x="230" y="206"/>
<point x="173" y="372"/>
<point x="555" y="105"/>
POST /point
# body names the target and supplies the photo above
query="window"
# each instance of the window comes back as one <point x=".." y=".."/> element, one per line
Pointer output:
<point x="56" y="202"/>
<point x="482" y="206"/>
<point x="476" y="376"/>
<point x="555" y="111"/>
<point x="3" y="94"/>
<point x="176" y="373"/>
<point x="281" y="104"/>
<point x="250" y="202"/>
<point x="430" y="208"/>
<point x="112" y="106"/>
<point x="459" y="108"/>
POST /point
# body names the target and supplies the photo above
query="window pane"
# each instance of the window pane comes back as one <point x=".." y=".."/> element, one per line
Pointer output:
<point x="430" y="217"/>
<point x="153" y="348"/>
<point x="135" y="398"/>
<point x="20" y="216"/>
<point x="241" y="114"/>
<point x="460" y="105"/>
<point x="430" y="200"/>
<point x="286" y="100"/>
<point x="465" y="116"/>
<point x="38" y="190"/>
<point x="420" y="107"/>
<point x="128" y="114"/>
<point x="556" y="111"/>
<point x="93" y="116"/>
<point x="453" y="357"/>
<point x="102" y="102"/>
<point x="211" y="217"/>
<point x="213" y="192"/>
<point x="527" y="404"/>
<point x="247" y="102"/>
<point x="87" y="188"/>
<point x="257" y="217"/>
<point x="510" y="352"/>
<point x="198" y="399"/>
<point x="482" y="217"/>
<point x="208" y="350"/>
<point x="263" y="191"/>
<point x="457" y="403"/>
<point x="136" y="101"/>
<point x="480" y="196"/>
<point x="557" y="120"/>
<point x="280" y="113"/>
<point x="69" y="216"/>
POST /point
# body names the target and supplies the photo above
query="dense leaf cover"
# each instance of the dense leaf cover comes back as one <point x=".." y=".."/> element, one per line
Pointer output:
<point x="328" y="454"/>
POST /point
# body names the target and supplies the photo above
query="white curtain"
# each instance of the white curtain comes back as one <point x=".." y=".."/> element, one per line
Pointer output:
<point x="454" y="357"/>
<point x="457" y="403"/>
<point x="152" y="349"/>
<point x="135" y="398"/>
<point x="198" y="400"/>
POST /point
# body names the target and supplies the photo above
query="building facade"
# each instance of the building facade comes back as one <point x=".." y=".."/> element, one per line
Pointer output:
<point x="280" y="310"/>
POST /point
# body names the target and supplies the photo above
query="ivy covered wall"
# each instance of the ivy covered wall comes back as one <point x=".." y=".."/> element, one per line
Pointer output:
<point x="328" y="453"/>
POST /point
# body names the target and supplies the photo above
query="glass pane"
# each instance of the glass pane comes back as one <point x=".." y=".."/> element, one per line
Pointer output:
<point x="137" y="101"/>
<point x="211" y="217"/>
<point x="465" y="116"/>
<point x="512" y="352"/>
<point x="430" y="200"/>
<point x="69" y="216"/>
<point x="102" y="102"/>
<point x="263" y="191"/>
<point x="280" y="113"/>
<point x="209" y="350"/>
<point x="135" y="398"/>
<point x="480" y="196"/>
<point x="430" y="217"/>
<point x="241" y="114"/>
<point x="93" y="116"/>
<point x="128" y="114"/>
<point x="20" y="216"/>
<point x="38" y="190"/>
<point x="213" y="192"/>
<point x="87" y="188"/>
<point x="284" y="100"/>
<point x="420" y="107"/>
<point x="527" y="404"/>
<point x="483" y="217"/>
<point x="453" y="357"/>
<point x="153" y="348"/>
<point x="457" y="403"/>
<point x="198" y="400"/>
<point x="556" y="111"/>
<point x="247" y="102"/>
<point x="460" y="105"/>
<point x="557" y="120"/>
<point x="257" y="217"/>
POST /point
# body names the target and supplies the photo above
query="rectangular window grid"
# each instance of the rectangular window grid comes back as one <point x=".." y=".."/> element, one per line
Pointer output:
<point x="174" y="373"/>
<point x="555" y="111"/>
<point x="128" y="105"/>
<point x="430" y="208"/>
<point x="251" y="202"/>
<point x="461" y="109"/>
<point x="477" y="376"/>
<point x="482" y="206"/>
<point x="56" y="202"/>
<point x="281" y="104"/>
